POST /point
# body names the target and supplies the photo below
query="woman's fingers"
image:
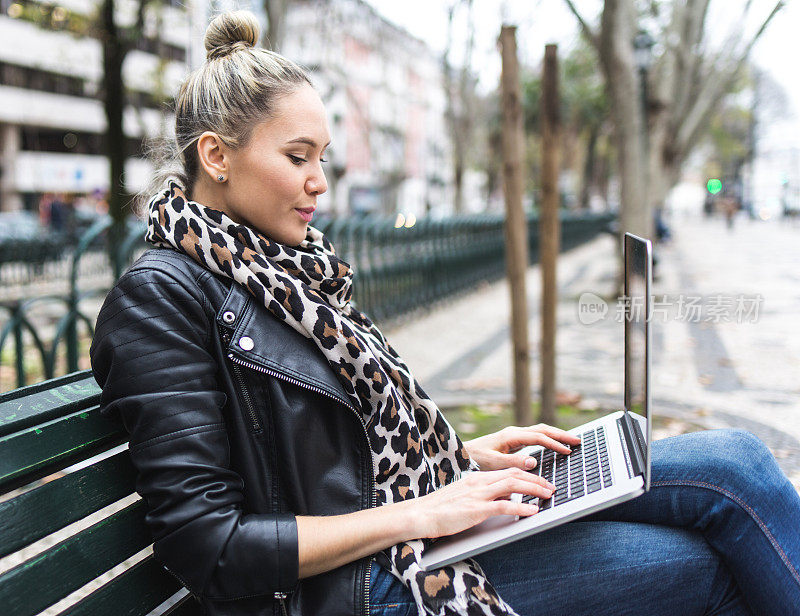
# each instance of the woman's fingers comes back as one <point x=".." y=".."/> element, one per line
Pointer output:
<point x="522" y="437"/>
<point x="543" y="435"/>
<point x="513" y="485"/>
<point x="470" y="500"/>
<point x="497" y="460"/>
<point x="556" y="433"/>
<point x="505" y="507"/>
<point x="491" y="478"/>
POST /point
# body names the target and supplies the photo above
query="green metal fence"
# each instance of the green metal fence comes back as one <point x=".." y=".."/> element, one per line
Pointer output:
<point x="16" y="321"/>
<point x="397" y="270"/>
<point x="401" y="269"/>
<point x="23" y="260"/>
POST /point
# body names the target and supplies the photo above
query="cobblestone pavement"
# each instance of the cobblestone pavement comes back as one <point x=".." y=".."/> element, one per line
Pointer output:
<point x="721" y="372"/>
<point x="732" y="364"/>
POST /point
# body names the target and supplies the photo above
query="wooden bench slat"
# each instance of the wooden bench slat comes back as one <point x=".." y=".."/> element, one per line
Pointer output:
<point x="135" y="592"/>
<point x="47" y="578"/>
<point x="56" y="504"/>
<point x="47" y="427"/>
<point x="188" y="606"/>
<point x="35" y="451"/>
<point x="35" y="404"/>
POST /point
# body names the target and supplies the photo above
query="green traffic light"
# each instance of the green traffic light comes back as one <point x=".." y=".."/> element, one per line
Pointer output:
<point x="714" y="186"/>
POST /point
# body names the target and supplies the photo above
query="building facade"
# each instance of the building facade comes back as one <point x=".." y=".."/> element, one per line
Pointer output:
<point x="52" y="121"/>
<point x="383" y="89"/>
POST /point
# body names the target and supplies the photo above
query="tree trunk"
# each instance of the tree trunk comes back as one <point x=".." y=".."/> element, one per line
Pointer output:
<point x="516" y="232"/>
<point x="549" y="231"/>
<point x="589" y="167"/>
<point x="458" y="185"/>
<point x="459" y="110"/>
<point x="114" y="51"/>
<point x="276" y="23"/>
<point x="616" y="55"/>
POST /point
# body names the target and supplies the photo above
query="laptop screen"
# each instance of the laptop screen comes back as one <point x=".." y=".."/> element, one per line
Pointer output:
<point x="638" y="277"/>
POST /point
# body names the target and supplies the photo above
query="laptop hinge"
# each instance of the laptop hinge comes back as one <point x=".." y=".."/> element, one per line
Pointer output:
<point x="634" y="441"/>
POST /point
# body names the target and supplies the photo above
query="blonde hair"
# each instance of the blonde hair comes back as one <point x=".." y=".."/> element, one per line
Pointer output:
<point x="235" y="89"/>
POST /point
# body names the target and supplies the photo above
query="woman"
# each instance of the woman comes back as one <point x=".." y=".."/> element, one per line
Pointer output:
<point x="289" y="459"/>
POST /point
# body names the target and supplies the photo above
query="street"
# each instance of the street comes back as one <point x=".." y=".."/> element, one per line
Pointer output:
<point x="721" y="357"/>
<point x="747" y="367"/>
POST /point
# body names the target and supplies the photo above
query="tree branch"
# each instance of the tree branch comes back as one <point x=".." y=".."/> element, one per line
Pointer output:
<point x="689" y="59"/>
<point x="778" y="6"/>
<point x="667" y="70"/>
<point x="706" y="102"/>
<point x="129" y="35"/>
<point x="587" y="30"/>
<point x="140" y="16"/>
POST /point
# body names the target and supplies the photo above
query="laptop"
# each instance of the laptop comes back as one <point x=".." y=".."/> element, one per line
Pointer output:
<point x="612" y="463"/>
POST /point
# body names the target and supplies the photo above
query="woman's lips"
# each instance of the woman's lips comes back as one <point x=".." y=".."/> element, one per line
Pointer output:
<point x="306" y="213"/>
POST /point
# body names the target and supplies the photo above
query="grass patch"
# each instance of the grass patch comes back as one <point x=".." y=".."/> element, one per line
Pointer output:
<point x="472" y="421"/>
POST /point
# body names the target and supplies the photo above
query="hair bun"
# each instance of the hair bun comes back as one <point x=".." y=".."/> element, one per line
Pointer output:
<point x="229" y="32"/>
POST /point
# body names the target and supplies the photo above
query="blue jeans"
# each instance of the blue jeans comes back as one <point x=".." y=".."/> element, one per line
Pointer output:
<point x="717" y="534"/>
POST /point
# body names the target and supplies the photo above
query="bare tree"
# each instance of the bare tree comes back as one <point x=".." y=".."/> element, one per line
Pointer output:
<point x="585" y="113"/>
<point x="116" y="42"/>
<point x="685" y="88"/>
<point x="460" y="93"/>
<point x="276" y="23"/>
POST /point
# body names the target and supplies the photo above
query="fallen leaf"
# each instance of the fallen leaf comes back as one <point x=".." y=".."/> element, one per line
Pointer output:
<point x="567" y="398"/>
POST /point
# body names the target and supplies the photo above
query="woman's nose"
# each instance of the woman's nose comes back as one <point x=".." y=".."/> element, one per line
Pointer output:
<point x="317" y="184"/>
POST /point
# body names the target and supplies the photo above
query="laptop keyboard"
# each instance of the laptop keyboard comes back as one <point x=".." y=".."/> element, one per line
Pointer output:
<point x="584" y="471"/>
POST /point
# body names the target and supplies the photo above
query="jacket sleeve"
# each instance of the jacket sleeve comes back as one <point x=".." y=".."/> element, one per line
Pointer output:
<point x="150" y="355"/>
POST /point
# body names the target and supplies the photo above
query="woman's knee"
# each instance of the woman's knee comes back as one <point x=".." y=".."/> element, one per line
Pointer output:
<point x="733" y="457"/>
<point x="737" y="445"/>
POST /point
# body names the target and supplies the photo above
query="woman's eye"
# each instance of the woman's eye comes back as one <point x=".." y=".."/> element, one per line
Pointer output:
<point x="323" y="160"/>
<point x="296" y="159"/>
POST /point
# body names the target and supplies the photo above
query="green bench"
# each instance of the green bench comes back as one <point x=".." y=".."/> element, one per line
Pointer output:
<point x="60" y="461"/>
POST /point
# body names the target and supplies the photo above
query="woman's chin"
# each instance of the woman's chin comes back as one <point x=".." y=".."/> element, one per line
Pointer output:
<point x="295" y="239"/>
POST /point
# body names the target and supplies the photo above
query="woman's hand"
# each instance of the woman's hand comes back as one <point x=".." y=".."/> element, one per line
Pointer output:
<point x="473" y="498"/>
<point x="497" y="450"/>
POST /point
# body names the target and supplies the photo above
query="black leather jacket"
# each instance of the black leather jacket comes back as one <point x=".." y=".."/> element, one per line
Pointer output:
<point x="237" y="424"/>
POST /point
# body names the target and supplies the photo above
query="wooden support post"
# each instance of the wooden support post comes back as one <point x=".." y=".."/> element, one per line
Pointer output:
<point x="549" y="231"/>
<point x="516" y="227"/>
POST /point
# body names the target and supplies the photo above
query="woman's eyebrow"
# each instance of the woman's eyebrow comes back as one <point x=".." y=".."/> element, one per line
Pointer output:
<point x="308" y="141"/>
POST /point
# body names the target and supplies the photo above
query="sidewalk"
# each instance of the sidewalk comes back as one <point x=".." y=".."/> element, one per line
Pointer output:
<point x="704" y="373"/>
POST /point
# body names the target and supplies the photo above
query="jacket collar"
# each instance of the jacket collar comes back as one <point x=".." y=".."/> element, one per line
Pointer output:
<point x="261" y="339"/>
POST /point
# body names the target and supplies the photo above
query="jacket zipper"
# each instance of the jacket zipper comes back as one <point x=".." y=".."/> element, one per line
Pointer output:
<point x="281" y="596"/>
<point x="248" y="402"/>
<point x="367" y="582"/>
<point x="373" y="497"/>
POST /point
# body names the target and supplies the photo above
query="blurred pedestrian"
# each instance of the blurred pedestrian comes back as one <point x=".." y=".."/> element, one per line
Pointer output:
<point x="45" y="201"/>
<point x="729" y="206"/>
<point x="663" y="233"/>
<point x="708" y="205"/>
<point x="58" y="214"/>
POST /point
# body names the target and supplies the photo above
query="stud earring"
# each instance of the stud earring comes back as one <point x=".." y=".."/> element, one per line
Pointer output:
<point x="220" y="178"/>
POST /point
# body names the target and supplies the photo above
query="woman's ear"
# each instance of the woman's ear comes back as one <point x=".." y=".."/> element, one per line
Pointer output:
<point x="213" y="156"/>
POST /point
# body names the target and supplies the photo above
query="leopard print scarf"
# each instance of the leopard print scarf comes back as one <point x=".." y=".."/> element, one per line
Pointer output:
<point x="414" y="448"/>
